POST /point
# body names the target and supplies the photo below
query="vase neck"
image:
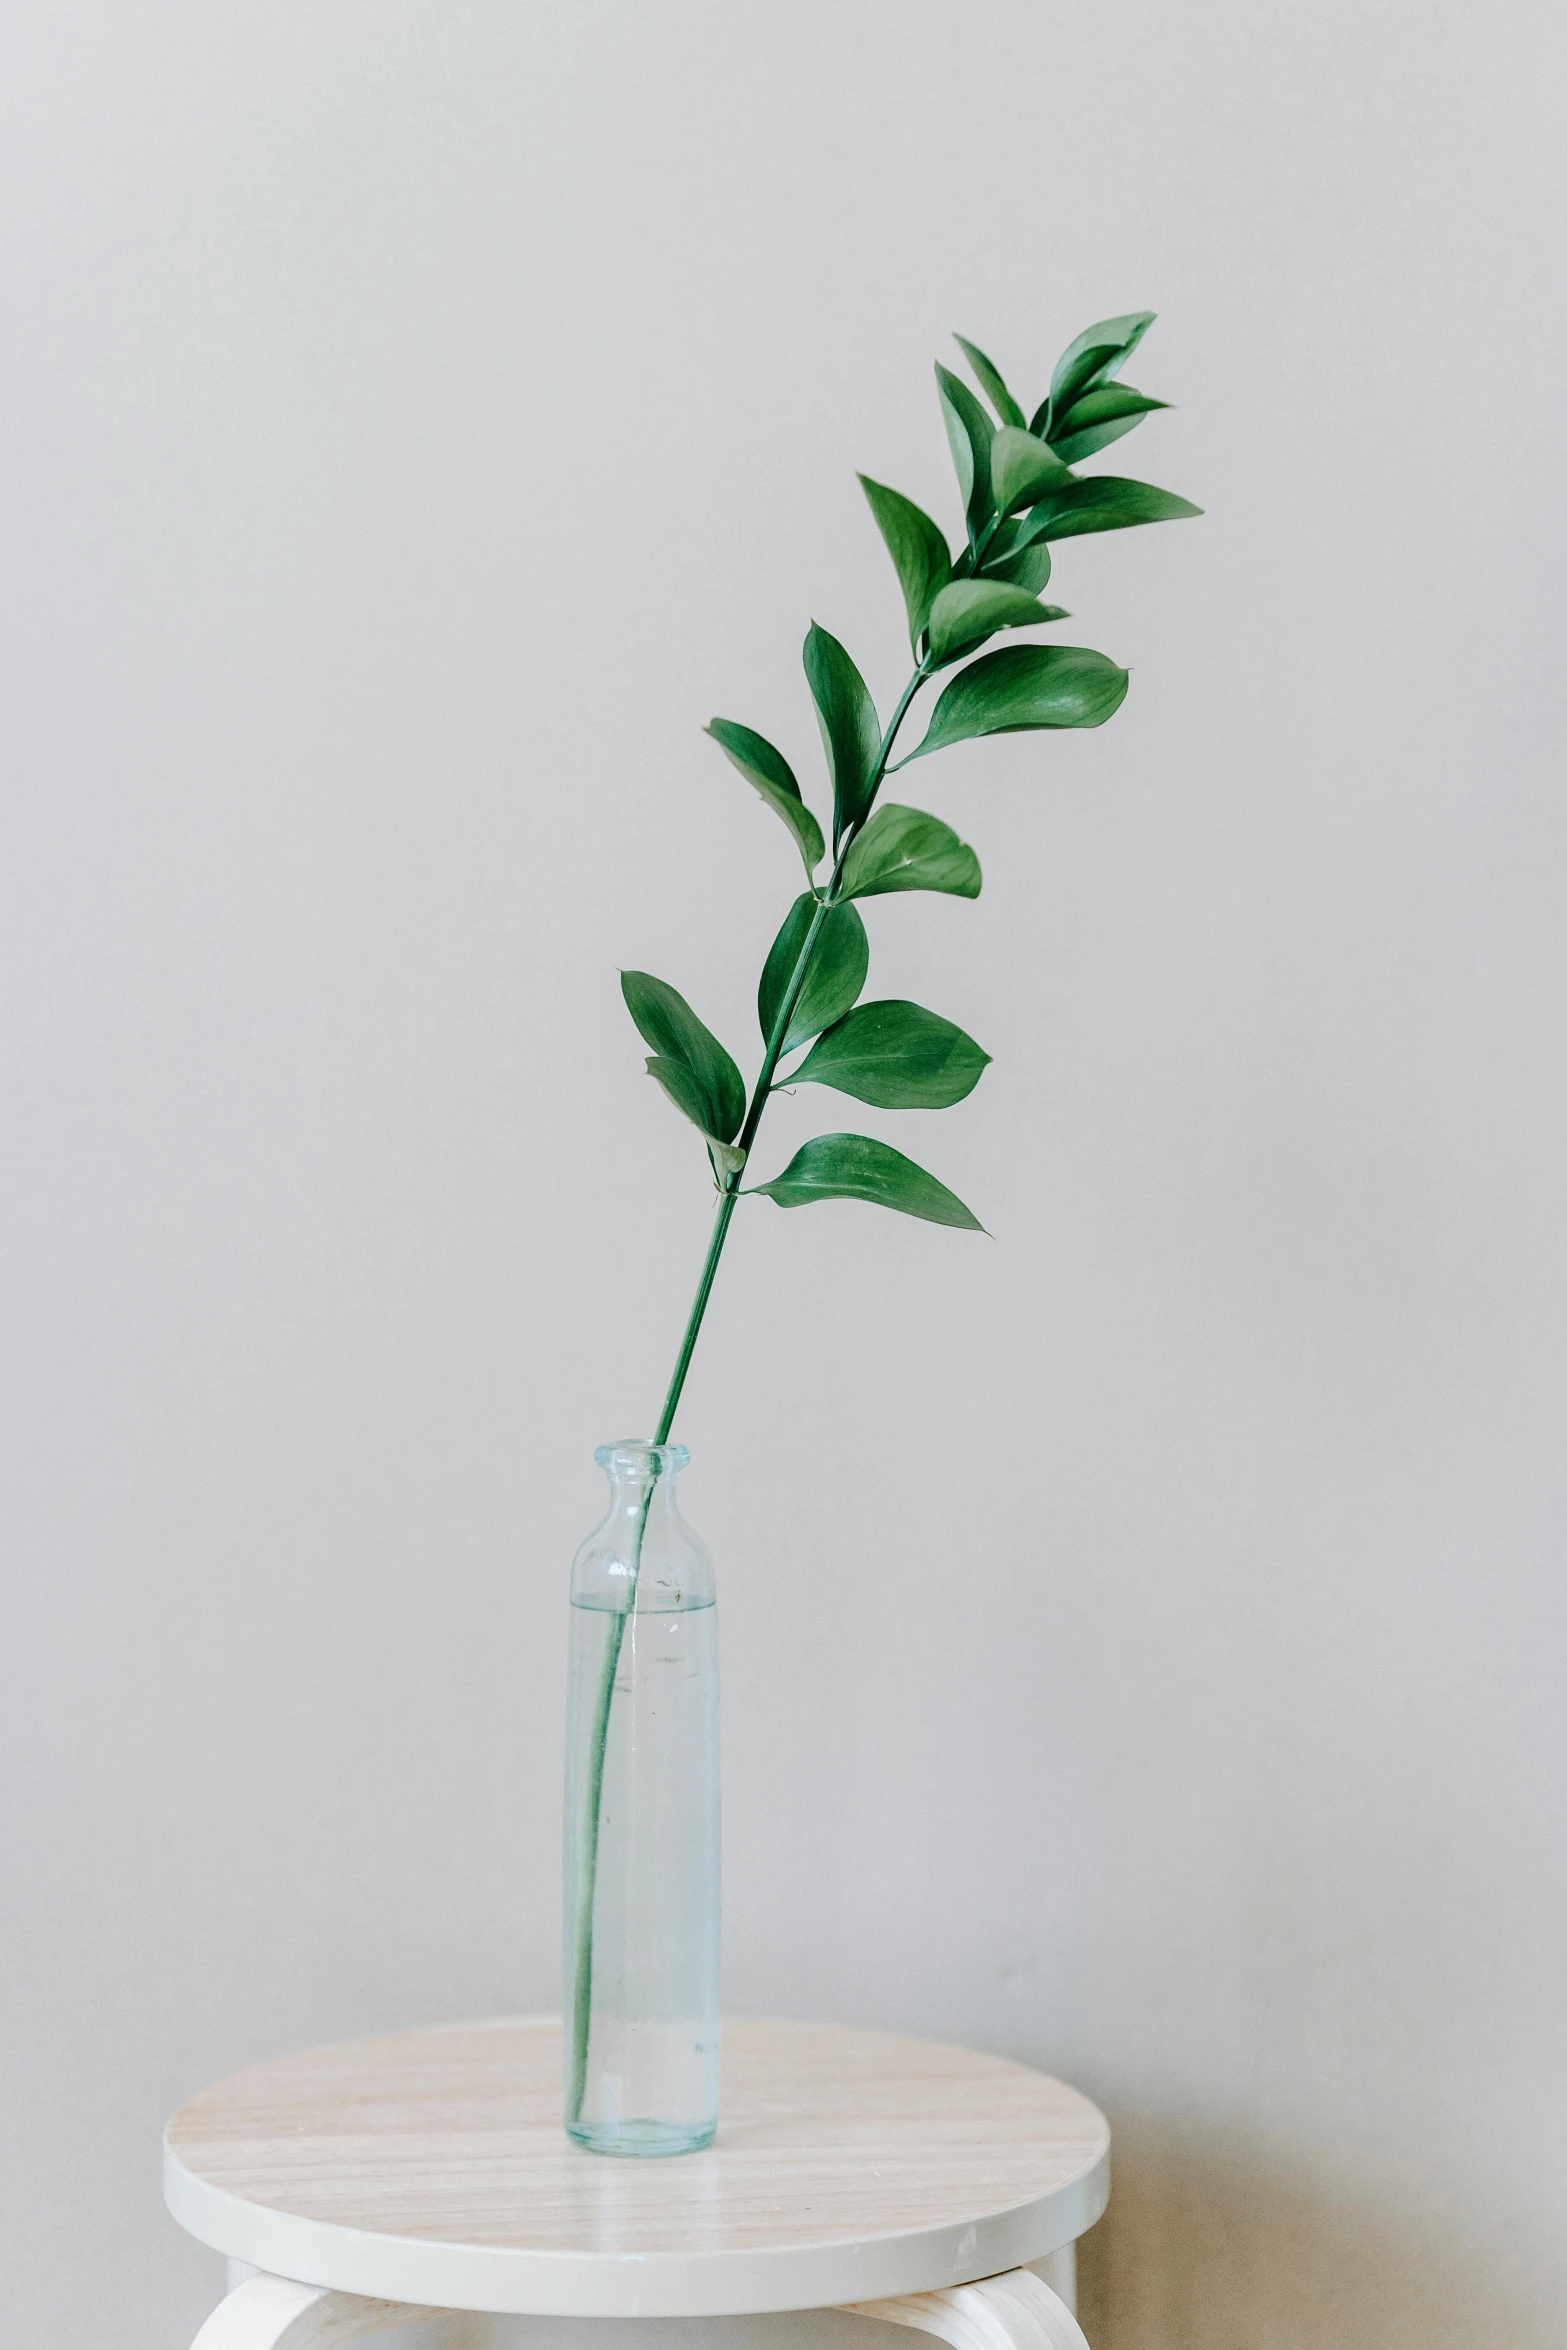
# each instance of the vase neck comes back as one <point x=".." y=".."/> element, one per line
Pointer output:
<point x="643" y="1554"/>
<point x="641" y="1474"/>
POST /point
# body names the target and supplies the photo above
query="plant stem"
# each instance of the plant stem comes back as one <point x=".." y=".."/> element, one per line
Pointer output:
<point x="587" y="1882"/>
<point x="715" y="1249"/>
<point x="770" y="1060"/>
<point x="582" y="1972"/>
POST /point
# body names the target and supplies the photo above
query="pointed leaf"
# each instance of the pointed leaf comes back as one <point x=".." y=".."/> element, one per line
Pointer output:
<point x="1093" y="357"/>
<point x="691" y="1065"/>
<point x="1023" y="687"/>
<point x="1073" y="447"/>
<point x="968" y="435"/>
<point x="901" y="848"/>
<point x="919" y="552"/>
<point x="896" y="1056"/>
<point x="851" y="730"/>
<point x="1023" y="469"/>
<point x="770" y="773"/>
<point x="1103" y="502"/>
<point x="1028" y="567"/>
<point x="1098" y="418"/>
<point x="852" y="1166"/>
<point x="964" y="614"/>
<point x="839" y="961"/>
<point x="988" y="376"/>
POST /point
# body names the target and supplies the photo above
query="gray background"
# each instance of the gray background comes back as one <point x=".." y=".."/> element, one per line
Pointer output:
<point x="1143" y="1630"/>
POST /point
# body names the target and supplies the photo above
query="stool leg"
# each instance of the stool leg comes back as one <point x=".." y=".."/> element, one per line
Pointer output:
<point x="1017" y="2311"/>
<point x="1059" y="2271"/>
<point x="270" y="2313"/>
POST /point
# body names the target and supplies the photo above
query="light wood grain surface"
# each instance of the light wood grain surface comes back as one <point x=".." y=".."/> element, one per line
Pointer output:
<point x="431" y="2166"/>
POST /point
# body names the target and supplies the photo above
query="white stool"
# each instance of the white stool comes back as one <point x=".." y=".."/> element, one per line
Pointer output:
<point x="423" y="2180"/>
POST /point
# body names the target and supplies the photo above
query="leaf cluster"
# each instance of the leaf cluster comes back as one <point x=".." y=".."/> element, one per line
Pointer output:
<point x="1019" y="496"/>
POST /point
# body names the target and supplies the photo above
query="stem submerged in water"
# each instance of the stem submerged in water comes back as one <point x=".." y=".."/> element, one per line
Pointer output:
<point x="587" y="1879"/>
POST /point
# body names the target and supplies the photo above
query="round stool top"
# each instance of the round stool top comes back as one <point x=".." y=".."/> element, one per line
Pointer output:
<point x="431" y="2167"/>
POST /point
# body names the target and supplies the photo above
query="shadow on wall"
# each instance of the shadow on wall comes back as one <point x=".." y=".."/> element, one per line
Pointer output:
<point x="1208" y="2250"/>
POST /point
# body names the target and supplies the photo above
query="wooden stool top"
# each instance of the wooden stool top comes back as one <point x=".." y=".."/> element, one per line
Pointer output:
<point x="430" y="2166"/>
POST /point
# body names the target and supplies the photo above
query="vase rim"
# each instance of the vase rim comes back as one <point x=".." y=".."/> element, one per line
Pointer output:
<point x="634" y="1456"/>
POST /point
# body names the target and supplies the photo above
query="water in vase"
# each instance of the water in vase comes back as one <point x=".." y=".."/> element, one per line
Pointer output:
<point x="642" y="1822"/>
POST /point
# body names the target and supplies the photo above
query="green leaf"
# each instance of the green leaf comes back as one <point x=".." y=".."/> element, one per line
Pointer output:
<point x="1023" y="469"/>
<point x="770" y="773"/>
<point x="968" y="434"/>
<point x="1022" y="687"/>
<point x="1103" y="502"/>
<point x="1028" y="567"/>
<point x="851" y="730"/>
<point x="988" y="376"/>
<point x="852" y="1166"/>
<point x="919" y="552"/>
<point x="901" y="848"/>
<point x="1093" y="357"/>
<point x="896" y="1056"/>
<point x="689" y="1062"/>
<point x="836" y="974"/>
<point x="1097" y="419"/>
<point x="964" y="614"/>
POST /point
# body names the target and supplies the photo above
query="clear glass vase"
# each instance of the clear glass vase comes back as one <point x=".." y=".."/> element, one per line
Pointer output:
<point x="641" y="1846"/>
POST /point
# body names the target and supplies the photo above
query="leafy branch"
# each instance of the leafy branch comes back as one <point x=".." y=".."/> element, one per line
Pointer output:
<point x="1020" y="496"/>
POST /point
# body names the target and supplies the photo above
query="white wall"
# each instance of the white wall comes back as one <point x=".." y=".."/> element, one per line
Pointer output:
<point x="1143" y="1631"/>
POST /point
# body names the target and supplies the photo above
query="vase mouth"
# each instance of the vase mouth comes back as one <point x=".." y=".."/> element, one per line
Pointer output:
<point x="639" y="1456"/>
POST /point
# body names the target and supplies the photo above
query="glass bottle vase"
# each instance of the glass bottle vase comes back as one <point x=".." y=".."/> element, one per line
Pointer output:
<point x="641" y="1908"/>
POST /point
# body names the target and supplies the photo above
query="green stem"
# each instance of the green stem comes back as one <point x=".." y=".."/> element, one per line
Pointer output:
<point x="587" y="1882"/>
<point x="770" y="1060"/>
<point x="715" y="1249"/>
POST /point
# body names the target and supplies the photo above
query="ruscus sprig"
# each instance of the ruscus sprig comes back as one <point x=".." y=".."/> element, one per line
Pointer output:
<point x="1020" y="496"/>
